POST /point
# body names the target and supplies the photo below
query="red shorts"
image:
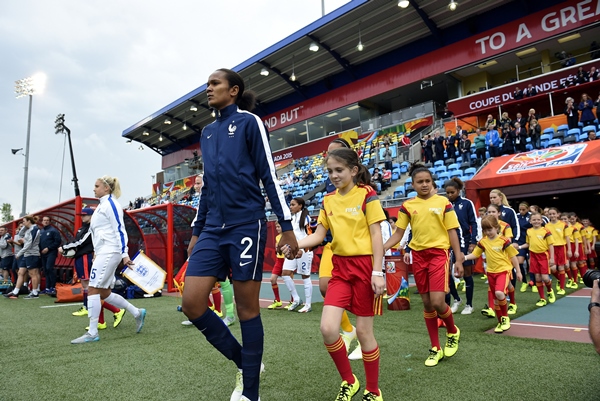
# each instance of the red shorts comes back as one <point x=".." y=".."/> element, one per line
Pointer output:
<point x="538" y="263"/>
<point x="278" y="268"/>
<point x="582" y="255"/>
<point x="350" y="286"/>
<point x="499" y="281"/>
<point x="560" y="255"/>
<point x="593" y="254"/>
<point x="431" y="268"/>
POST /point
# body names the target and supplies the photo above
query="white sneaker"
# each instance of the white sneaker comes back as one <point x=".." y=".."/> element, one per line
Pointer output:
<point x="294" y="305"/>
<point x="467" y="311"/>
<point x="455" y="305"/>
<point x="86" y="338"/>
<point x="239" y="385"/>
<point x="305" y="309"/>
<point x="228" y="320"/>
<point x="356" y="354"/>
<point x="187" y="323"/>
<point x="348" y="336"/>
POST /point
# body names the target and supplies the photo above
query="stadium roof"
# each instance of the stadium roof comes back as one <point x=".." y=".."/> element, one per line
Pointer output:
<point x="390" y="35"/>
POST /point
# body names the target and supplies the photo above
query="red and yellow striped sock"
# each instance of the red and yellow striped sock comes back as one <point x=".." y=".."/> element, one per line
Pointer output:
<point x="371" y="364"/>
<point x="502" y="308"/>
<point x="448" y="319"/>
<point x="432" y="328"/>
<point x="540" y="287"/>
<point x="338" y="353"/>
<point x="275" y="288"/>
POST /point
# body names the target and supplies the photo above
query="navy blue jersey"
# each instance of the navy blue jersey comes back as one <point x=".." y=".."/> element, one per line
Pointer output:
<point x="524" y="224"/>
<point x="237" y="157"/>
<point x="467" y="218"/>
<point x="509" y="216"/>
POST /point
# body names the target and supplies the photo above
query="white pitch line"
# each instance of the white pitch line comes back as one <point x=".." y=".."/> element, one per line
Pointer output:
<point x="61" y="305"/>
<point x="548" y="326"/>
<point x="578" y="296"/>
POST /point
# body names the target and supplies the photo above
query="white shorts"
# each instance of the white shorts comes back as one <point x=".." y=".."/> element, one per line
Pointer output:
<point x="302" y="265"/>
<point x="102" y="273"/>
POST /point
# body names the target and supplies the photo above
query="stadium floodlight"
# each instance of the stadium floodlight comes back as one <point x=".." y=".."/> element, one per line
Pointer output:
<point x="452" y="5"/>
<point x="360" y="47"/>
<point x="293" y="76"/>
<point x="193" y="108"/>
<point x="27" y="87"/>
<point x="403" y="3"/>
<point x="313" y="47"/>
<point x="264" y="72"/>
<point x="168" y="121"/>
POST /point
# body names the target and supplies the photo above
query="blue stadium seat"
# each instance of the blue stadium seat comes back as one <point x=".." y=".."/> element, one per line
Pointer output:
<point x="453" y="167"/>
<point x="395" y="176"/>
<point x="438" y="163"/>
<point x="583" y="137"/>
<point x="441" y="169"/>
<point x="562" y="129"/>
<point x="548" y="131"/>
<point x="544" y="139"/>
<point x="444" y="176"/>
<point x="554" y="143"/>
<point x="311" y="208"/>
<point x="574" y="132"/>
<point x="399" y="192"/>
<point x="411" y="194"/>
<point x="471" y="171"/>
<point x="589" y="128"/>
<point x="456" y="173"/>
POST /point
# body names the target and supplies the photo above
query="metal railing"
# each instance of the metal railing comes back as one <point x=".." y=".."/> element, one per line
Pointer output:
<point x="398" y="117"/>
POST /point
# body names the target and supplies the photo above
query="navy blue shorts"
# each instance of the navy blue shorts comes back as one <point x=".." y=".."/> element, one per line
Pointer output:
<point x="21" y="262"/>
<point x="83" y="265"/>
<point x="6" y="262"/>
<point x="237" y="249"/>
<point x="465" y="251"/>
<point x="524" y="252"/>
<point x="32" y="262"/>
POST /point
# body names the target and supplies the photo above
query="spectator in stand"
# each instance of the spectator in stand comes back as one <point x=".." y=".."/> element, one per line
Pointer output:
<point x="492" y="140"/>
<point x="6" y="255"/>
<point x="387" y="156"/>
<point x="505" y="122"/>
<point x="376" y="180"/>
<point x="49" y="243"/>
<point x="592" y="136"/>
<point x="405" y="143"/>
<point x="520" y="135"/>
<point x="288" y="197"/>
<point x="581" y="77"/>
<point x="517" y="93"/>
<point x="28" y="259"/>
<point x="446" y="113"/>
<point x="427" y="144"/>
<point x="531" y="116"/>
<point x="465" y="147"/>
<point x="438" y="142"/>
<point x="572" y="113"/>
<point x="451" y="142"/>
<point x="535" y="132"/>
<point x="519" y="119"/>
<point x="386" y="179"/>
<point x="267" y="204"/>
<point x="586" y="106"/>
<point x="480" y="145"/>
<point x="593" y="74"/>
<point x="530" y="91"/>
<point x="491" y="121"/>
<point x="310" y="176"/>
<point x="508" y="142"/>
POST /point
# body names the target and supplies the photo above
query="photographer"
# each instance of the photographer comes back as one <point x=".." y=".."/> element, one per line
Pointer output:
<point x="594" y="308"/>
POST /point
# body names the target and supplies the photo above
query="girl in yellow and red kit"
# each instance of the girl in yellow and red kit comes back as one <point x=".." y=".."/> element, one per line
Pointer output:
<point x="352" y="213"/>
<point x="501" y="257"/>
<point x="558" y="229"/>
<point x="591" y="235"/>
<point x="583" y="246"/>
<point x="505" y="230"/>
<point x="434" y="227"/>
<point x="573" y="237"/>
<point x="541" y="256"/>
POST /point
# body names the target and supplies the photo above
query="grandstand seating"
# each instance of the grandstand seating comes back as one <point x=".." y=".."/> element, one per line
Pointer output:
<point x="545" y="138"/>
<point x="554" y="142"/>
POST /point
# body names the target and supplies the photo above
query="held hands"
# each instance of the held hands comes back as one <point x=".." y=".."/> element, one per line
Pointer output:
<point x="288" y="245"/>
<point x="458" y="265"/>
<point x="406" y="258"/>
<point x="378" y="285"/>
